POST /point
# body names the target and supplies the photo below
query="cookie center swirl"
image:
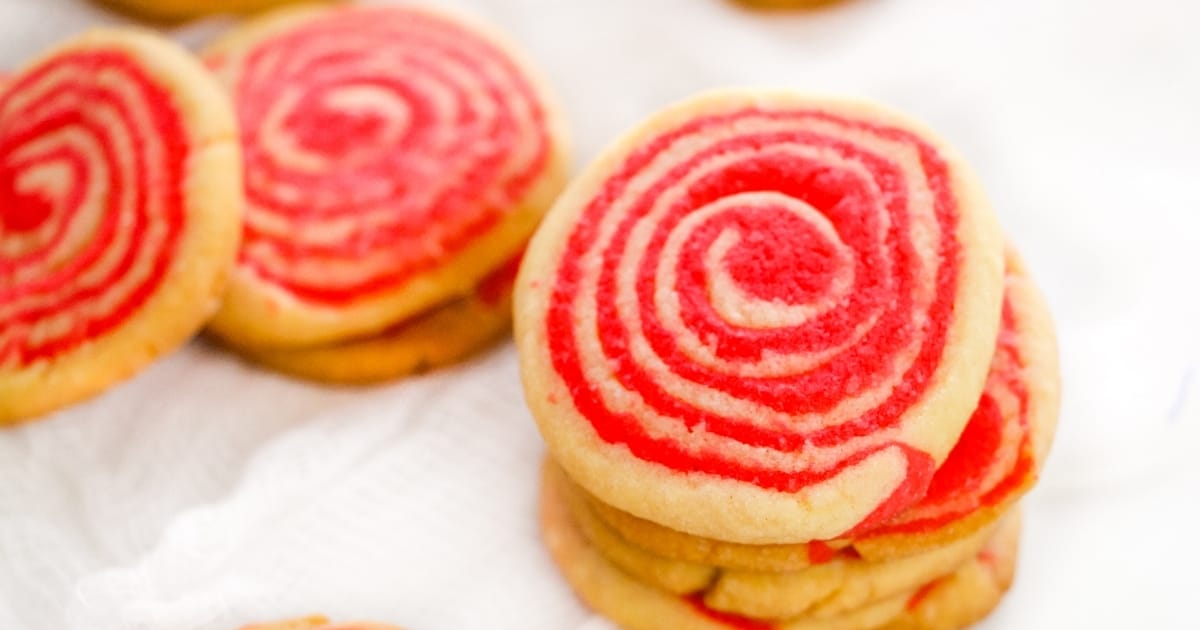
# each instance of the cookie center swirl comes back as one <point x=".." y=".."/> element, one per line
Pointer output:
<point x="761" y="296"/>
<point x="341" y="128"/>
<point x="92" y="159"/>
<point x="29" y="205"/>
<point x="379" y="143"/>
<point x="768" y="260"/>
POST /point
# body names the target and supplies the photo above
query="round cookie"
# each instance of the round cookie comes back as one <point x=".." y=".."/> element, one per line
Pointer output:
<point x="442" y="336"/>
<point x="637" y="606"/>
<point x="761" y="317"/>
<point x="394" y="158"/>
<point x="120" y="199"/>
<point x="318" y="622"/>
<point x="996" y="460"/>
<point x="174" y="10"/>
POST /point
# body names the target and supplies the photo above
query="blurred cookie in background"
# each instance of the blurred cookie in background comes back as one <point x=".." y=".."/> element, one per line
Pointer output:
<point x="179" y="10"/>
<point x="397" y="158"/>
<point x="780" y="5"/>
<point x="318" y="622"/>
<point x="120" y="207"/>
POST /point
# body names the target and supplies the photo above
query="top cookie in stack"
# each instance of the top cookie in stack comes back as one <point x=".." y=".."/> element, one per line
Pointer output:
<point x="756" y="335"/>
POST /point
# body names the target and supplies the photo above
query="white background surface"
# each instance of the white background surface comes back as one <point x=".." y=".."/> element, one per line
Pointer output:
<point x="206" y="493"/>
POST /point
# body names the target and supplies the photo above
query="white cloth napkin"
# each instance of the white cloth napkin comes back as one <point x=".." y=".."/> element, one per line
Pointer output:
<point x="206" y="493"/>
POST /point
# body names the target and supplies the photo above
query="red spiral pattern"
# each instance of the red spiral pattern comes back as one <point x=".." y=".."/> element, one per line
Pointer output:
<point x="379" y="142"/>
<point x="993" y="460"/>
<point x="761" y="295"/>
<point x="92" y="164"/>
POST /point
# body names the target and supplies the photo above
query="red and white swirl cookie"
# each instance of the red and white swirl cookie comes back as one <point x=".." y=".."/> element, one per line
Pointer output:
<point x="997" y="459"/>
<point x="394" y="158"/>
<point x="762" y="317"/>
<point x="120" y="199"/>
<point x="442" y="336"/>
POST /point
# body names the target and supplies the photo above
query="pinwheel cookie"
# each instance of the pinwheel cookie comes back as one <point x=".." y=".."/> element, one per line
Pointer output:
<point x="120" y="199"/>
<point x="762" y="317"/>
<point x="998" y="457"/>
<point x="442" y="336"/>
<point x="394" y="158"/>
<point x="953" y="601"/>
<point x="185" y="9"/>
<point x="318" y="623"/>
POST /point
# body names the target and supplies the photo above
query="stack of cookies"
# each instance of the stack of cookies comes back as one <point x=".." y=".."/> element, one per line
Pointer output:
<point x="789" y="372"/>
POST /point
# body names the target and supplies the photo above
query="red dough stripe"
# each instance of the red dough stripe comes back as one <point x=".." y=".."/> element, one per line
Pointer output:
<point x="379" y="142"/>
<point x="921" y="595"/>
<point x="810" y="261"/>
<point x="735" y="622"/>
<point x="91" y="202"/>
<point x="820" y="552"/>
